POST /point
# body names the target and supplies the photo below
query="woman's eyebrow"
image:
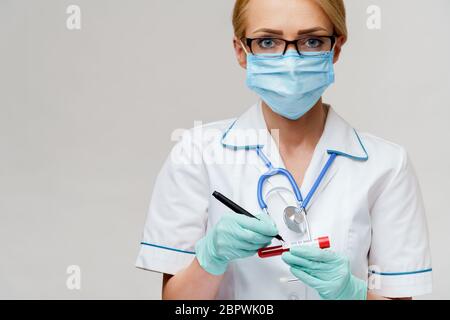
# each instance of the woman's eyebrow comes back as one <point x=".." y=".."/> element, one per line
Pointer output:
<point x="311" y="30"/>
<point x="280" y="32"/>
<point x="272" y="31"/>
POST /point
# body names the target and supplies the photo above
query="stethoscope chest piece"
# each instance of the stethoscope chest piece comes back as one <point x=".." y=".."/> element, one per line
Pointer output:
<point x="295" y="219"/>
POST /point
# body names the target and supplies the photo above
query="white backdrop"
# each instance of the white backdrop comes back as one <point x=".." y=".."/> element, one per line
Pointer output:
<point x="86" y="117"/>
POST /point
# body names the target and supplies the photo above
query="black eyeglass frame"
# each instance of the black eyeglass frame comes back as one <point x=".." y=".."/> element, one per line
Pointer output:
<point x="249" y="41"/>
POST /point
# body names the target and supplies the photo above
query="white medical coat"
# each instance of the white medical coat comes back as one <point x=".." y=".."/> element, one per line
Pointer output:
<point x="369" y="204"/>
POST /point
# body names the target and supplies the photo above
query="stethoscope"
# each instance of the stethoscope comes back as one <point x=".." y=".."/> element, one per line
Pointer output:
<point x="295" y="217"/>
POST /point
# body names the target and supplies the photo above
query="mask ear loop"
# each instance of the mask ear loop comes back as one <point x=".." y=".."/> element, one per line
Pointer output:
<point x="243" y="47"/>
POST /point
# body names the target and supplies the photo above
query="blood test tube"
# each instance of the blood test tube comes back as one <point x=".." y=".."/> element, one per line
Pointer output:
<point x="322" y="243"/>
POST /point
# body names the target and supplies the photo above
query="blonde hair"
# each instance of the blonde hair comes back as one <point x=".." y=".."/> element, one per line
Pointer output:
<point x="334" y="9"/>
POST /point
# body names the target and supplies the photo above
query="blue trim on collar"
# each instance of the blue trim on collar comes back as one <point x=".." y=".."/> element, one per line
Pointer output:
<point x="340" y="153"/>
<point x="400" y="273"/>
<point x="166" y="248"/>
<point x="235" y="148"/>
<point x="260" y="146"/>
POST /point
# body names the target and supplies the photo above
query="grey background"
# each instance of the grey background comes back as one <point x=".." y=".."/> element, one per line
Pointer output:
<point x="86" y="118"/>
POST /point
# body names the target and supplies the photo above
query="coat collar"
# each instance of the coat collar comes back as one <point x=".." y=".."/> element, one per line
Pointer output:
<point x="249" y="132"/>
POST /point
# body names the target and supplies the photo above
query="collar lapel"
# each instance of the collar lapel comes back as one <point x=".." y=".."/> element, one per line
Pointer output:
<point x="248" y="132"/>
<point x="338" y="138"/>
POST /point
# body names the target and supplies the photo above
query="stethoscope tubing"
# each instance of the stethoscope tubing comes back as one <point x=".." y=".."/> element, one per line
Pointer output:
<point x="275" y="171"/>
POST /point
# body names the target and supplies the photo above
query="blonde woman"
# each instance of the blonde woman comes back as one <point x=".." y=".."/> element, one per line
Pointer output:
<point x="355" y="188"/>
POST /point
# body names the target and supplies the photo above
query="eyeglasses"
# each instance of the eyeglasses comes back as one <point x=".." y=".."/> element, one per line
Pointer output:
<point x="309" y="45"/>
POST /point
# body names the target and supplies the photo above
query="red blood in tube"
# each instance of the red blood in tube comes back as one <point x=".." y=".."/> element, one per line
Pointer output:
<point x="322" y="243"/>
<point x="271" y="251"/>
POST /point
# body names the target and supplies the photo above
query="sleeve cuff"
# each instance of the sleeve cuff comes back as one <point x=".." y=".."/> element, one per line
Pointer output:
<point x="162" y="259"/>
<point x="398" y="285"/>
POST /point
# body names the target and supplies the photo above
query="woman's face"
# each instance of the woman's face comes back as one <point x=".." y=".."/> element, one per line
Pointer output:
<point x="286" y="19"/>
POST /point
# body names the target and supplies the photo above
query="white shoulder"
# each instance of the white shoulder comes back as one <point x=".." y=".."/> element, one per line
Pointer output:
<point x="384" y="153"/>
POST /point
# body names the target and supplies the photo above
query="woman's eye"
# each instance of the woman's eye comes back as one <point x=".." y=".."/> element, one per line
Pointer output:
<point x="313" y="43"/>
<point x="267" y="43"/>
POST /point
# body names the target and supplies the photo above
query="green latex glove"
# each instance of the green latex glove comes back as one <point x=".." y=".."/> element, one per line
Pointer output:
<point x="234" y="236"/>
<point x="327" y="272"/>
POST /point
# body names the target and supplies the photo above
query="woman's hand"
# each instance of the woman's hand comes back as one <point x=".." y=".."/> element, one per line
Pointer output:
<point x="327" y="272"/>
<point x="234" y="236"/>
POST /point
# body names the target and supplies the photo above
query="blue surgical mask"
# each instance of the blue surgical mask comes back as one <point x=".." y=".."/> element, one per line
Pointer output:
<point x="291" y="84"/>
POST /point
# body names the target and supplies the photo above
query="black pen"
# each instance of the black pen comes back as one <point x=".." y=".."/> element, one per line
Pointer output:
<point x="236" y="208"/>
